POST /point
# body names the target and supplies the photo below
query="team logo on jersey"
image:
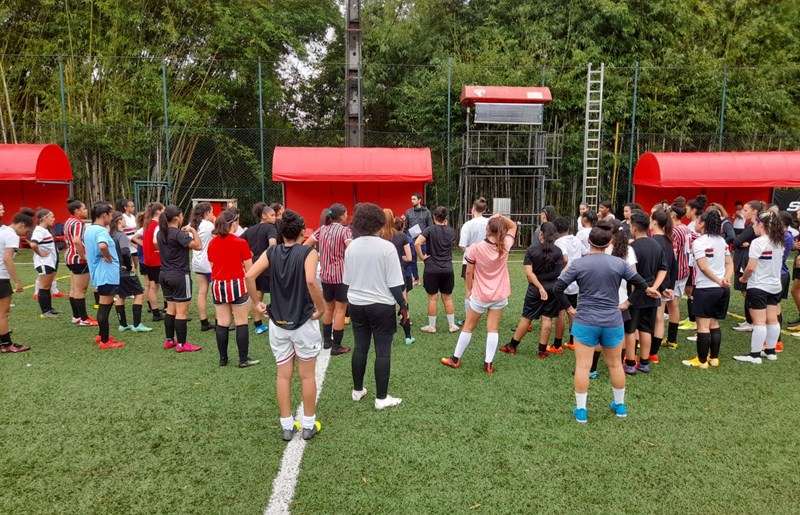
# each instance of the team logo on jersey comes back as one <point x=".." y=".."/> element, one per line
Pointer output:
<point x="710" y="253"/>
<point x="766" y="255"/>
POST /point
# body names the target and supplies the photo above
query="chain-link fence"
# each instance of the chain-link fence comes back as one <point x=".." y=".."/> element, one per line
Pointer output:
<point x="178" y="130"/>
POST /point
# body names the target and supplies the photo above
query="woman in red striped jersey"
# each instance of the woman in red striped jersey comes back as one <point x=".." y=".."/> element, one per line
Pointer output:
<point x="230" y="259"/>
<point x="150" y="263"/>
<point x="75" y="258"/>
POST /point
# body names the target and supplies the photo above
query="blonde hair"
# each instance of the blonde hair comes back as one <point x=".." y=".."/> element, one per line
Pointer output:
<point x="388" y="231"/>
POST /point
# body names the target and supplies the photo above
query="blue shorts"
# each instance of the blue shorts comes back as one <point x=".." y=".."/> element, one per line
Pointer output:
<point x="591" y="335"/>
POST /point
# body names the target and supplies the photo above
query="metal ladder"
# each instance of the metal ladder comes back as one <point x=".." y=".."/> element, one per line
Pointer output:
<point x="591" y="135"/>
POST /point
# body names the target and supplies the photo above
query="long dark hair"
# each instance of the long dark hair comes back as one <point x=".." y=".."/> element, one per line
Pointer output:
<point x="226" y="219"/>
<point x="549" y="234"/>
<point x="199" y="212"/>
<point x="664" y="221"/>
<point x="334" y="213"/>
<point x="151" y="210"/>
<point x="116" y="216"/>
<point x="773" y="227"/>
<point x="619" y="241"/>
<point x="169" y="214"/>
<point x="712" y="223"/>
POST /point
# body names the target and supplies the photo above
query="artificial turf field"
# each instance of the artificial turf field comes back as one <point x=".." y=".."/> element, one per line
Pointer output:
<point x="151" y="431"/>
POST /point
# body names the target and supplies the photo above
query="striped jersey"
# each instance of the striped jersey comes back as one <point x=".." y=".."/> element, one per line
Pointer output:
<point x="74" y="229"/>
<point x="332" y="244"/>
<point x="130" y="230"/>
<point x="681" y="247"/>
<point x="47" y="244"/>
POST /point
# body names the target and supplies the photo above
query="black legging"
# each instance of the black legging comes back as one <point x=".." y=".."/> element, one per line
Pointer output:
<point x="373" y="321"/>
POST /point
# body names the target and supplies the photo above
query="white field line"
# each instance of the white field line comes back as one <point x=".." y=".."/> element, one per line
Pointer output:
<point x="284" y="483"/>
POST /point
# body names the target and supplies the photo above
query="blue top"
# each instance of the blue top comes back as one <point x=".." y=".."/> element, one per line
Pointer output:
<point x="788" y="246"/>
<point x="598" y="276"/>
<point x="101" y="271"/>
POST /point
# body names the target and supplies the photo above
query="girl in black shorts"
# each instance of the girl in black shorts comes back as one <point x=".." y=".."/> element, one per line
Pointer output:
<point x="129" y="285"/>
<point x="543" y="264"/>
<point x="398" y="238"/>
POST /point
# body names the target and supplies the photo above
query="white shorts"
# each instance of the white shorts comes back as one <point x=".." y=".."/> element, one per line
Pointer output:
<point x="481" y="307"/>
<point x="680" y="288"/>
<point x="304" y="342"/>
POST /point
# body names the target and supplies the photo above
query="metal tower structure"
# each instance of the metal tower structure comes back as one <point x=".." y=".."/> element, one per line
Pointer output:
<point x="354" y="127"/>
<point x="592" y="134"/>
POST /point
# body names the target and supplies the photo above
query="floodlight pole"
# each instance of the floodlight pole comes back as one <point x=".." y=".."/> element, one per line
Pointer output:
<point x="633" y="130"/>
<point x="261" y="128"/>
<point x="723" y="106"/>
<point x="354" y="126"/>
<point x="166" y="126"/>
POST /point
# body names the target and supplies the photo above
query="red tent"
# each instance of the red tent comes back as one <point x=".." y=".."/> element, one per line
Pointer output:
<point x="505" y="95"/>
<point x="723" y="177"/>
<point x="315" y="177"/>
<point x="35" y="176"/>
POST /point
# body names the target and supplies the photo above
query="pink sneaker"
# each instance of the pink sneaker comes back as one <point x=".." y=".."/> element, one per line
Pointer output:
<point x="168" y="344"/>
<point x="187" y="347"/>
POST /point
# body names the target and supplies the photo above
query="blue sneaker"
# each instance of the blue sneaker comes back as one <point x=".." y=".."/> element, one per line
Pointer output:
<point x="643" y="368"/>
<point x="620" y="410"/>
<point x="594" y="375"/>
<point x="581" y="415"/>
<point x="261" y="329"/>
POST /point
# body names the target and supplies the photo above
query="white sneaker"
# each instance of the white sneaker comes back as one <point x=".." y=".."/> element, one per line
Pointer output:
<point x="454" y="328"/>
<point x="770" y="357"/>
<point x="692" y="338"/>
<point x="358" y="394"/>
<point x="747" y="358"/>
<point x="428" y="329"/>
<point x="388" y="402"/>
<point x="744" y="327"/>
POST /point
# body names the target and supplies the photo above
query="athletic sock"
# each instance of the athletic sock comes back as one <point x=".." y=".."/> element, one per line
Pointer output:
<point x="406" y="328"/>
<point x="169" y="326"/>
<point x="123" y="320"/>
<point x="204" y="323"/>
<point x="595" y="361"/>
<point x="690" y="308"/>
<point x="630" y="362"/>
<point x="96" y="298"/>
<point x="287" y="423"/>
<point x="757" y="340"/>
<point x="716" y="343"/>
<point x="73" y="304"/>
<point x="137" y="315"/>
<point x="491" y="346"/>
<point x="514" y="343"/>
<point x="773" y="333"/>
<point x="43" y="297"/>
<point x="462" y="344"/>
<point x="327" y="332"/>
<point x="644" y="361"/>
<point x="156" y="312"/>
<point x="181" y="330"/>
<point x="672" y="332"/>
<point x="451" y="320"/>
<point x="5" y="339"/>
<point x="308" y="422"/>
<point x="258" y="323"/>
<point x="655" y="345"/>
<point x="102" y="321"/>
<point x="557" y="342"/>
<point x="81" y="304"/>
<point x="338" y="335"/>
<point x="703" y="346"/>
<point x="580" y="400"/>
<point x="432" y="321"/>
<point x="619" y="395"/>
<point x="222" y="343"/>
<point x="243" y="342"/>
<point x="542" y="347"/>
<point x="780" y="319"/>
<point x="571" y="339"/>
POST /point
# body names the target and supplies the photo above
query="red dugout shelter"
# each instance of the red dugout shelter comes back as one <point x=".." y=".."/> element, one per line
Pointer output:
<point x="315" y="177"/>
<point x="35" y="176"/>
<point x="723" y="177"/>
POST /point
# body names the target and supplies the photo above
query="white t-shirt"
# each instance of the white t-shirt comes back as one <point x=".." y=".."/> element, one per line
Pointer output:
<point x="472" y="232"/>
<point x="8" y="240"/>
<point x="767" y="275"/>
<point x="130" y="230"/>
<point x="583" y="236"/>
<point x="44" y="239"/>
<point x="371" y="267"/>
<point x="572" y="247"/>
<point x="630" y="259"/>
<point x="738" y="222"/>
<point x="713" y="249"/>
<point x="200" y="262"/>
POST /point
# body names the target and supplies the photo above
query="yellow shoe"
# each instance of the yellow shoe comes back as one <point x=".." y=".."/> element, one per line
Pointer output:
<point x="713" y="362"/>
<point x="695" y="362"/>
<point x="688" y="326"/>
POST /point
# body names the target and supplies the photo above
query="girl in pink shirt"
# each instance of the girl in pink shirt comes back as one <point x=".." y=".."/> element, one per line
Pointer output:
<point x="488" y="288"/>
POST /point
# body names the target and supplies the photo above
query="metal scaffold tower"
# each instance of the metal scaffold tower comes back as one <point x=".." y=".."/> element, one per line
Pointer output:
<point x="592" y="135"/>
<point x="354" y="127"/>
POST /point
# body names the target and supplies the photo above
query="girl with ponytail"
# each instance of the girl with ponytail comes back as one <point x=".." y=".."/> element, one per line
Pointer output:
<point x="203" y="222"/>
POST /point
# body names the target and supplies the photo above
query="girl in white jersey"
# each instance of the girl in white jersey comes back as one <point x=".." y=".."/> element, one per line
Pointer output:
<point x="714" y="268"/>
<point x="763" y="278"/>
<point x="203" y="222"/>
<point x="45" y="260"/>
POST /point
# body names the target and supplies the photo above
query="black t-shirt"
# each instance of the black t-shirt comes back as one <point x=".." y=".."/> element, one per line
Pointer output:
<point x="174" y="249"/>
<point x="258" y="237"/>
<point x="547" y="267"/>
<point x="399" y="241"/>
<point x="650" y="259"/>
<point x="291" y="305"/>
<point x="440" y="240"/>
<point x="672" y="268"/>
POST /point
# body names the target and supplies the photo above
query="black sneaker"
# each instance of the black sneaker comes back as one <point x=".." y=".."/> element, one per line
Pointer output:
<point x="206" y="326"/>
<point x="308" y="434"/>
<point x="328" y="344"/>
<point x="341" y="349"/>
<point x="223" y="362"/>
<point x="248" y="363"/>
<point x="158" y="318"/>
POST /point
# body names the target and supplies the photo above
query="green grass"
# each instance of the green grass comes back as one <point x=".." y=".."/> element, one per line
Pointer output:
<point x="146" y="430"/>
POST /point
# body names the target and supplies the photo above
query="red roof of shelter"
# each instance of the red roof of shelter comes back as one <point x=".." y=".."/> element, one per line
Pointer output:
<point x="505" y="95"/>
<point x="42" y="163"/>
<point x="356" y="164"/>
<point x="718" y="169"/>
